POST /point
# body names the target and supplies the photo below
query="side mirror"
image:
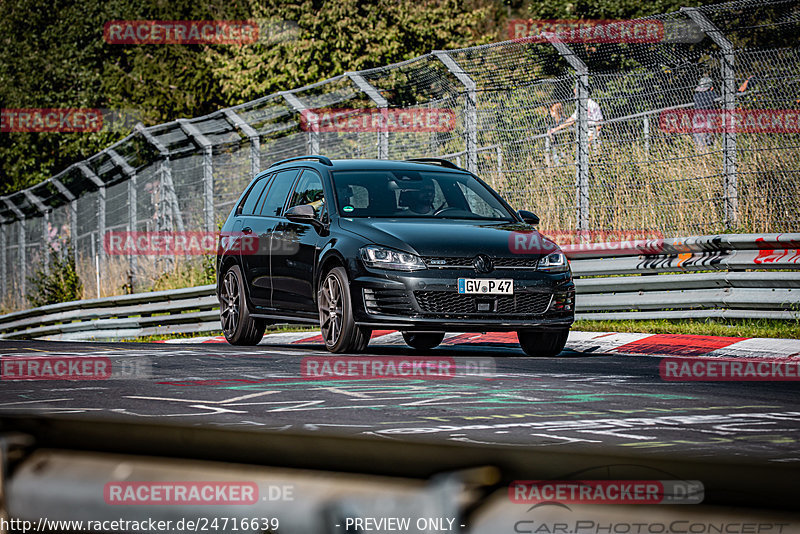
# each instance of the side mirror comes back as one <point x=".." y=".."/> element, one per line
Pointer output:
<point x="304" y="213"/>
<point x="529" y="217"/>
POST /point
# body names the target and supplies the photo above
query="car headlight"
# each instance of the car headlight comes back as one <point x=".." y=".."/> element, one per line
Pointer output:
<point x="386" y="258"/>
<point x="554" y="263"/>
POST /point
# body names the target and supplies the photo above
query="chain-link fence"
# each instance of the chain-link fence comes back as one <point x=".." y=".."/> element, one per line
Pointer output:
<point x="609" y="131"/>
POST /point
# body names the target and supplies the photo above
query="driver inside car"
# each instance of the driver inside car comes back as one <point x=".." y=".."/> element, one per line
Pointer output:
<point x="420" y="201"/>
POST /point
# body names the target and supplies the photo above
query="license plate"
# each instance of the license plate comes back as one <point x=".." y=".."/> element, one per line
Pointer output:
<point x="485" y="286"/>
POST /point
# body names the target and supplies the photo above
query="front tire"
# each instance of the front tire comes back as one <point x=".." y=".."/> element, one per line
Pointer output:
<point x="237" y="324"/>
<point x="336" y="321"/>
<point x="423" y="340"/>
<point x="543" y="344"/>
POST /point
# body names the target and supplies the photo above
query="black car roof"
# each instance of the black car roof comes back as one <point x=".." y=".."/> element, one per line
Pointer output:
<point x="363" y="164"/>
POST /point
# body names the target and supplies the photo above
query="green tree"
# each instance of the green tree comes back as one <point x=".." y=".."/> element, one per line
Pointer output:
<point x="335" y="37"/>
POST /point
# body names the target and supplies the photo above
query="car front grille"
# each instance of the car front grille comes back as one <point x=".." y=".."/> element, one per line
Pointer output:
<point x="451" y="303"/>
<point x="387" y="302"/>
<point x="452" y="262"/>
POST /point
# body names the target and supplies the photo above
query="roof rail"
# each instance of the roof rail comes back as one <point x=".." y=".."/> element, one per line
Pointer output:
<point x="321" y="159"/>
<point x="436" y="161"/>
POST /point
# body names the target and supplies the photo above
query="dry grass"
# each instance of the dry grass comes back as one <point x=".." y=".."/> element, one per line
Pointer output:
<point x="674" y="187"/>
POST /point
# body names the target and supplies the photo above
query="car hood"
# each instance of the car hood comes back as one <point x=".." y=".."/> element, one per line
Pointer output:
<point x="449" y="237"/>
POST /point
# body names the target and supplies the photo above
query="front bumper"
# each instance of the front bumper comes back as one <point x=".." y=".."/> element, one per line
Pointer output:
<point x="428" y="300"/>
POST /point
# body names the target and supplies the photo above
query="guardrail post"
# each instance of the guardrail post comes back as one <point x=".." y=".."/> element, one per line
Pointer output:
<point x="299" y="107"/>
<point x="101" y="212"/>
<point x="581" y="132"/>
<point x="470" y="108"/>
<point x="728" y="74"/>
<point x="382" y="103"/>
<point x="208" y="172"/>
<point x="23" y="267"/>
<point x="255" y="140"/>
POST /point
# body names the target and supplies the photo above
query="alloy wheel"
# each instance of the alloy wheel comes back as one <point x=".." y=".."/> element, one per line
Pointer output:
<point x="230" y="303"/>
<point x="331" y="308"/>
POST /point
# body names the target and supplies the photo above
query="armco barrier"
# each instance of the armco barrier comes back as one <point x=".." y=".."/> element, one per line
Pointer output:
<point x="722" y="276"/>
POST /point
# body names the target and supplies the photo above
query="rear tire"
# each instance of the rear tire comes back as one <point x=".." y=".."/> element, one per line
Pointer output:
<point x="237" y="324"/>
<point x="339" y="330"/>
<point x="423" y="340"/>
<point x="543" y="344"/>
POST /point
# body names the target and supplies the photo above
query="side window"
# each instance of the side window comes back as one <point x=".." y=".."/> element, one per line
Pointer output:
<point x="254" y="196"/>
<point x="309" y="191"/>
<point x="276" y="195"/>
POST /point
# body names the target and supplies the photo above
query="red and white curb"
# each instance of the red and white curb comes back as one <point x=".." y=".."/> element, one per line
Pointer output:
<point x="585" y="342"/>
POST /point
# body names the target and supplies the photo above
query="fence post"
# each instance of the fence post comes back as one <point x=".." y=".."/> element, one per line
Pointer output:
<point x="208" y="172"/>
<point x="23" y="267"/>
<point x="133" y="203"/>
<point x="236" y="121"/>
<point x="101" y="210"/>
<point x="166" y="175"/>
<point x="499" y="164"/>
<point x="646" y="133"/>
<point x="299" y="107"/>
<point x="581" y="132"/>
<point x="33" y="199"/>
<point x="73" y="215"/>
<point x="3" y="279"/>
<point x="728" y="74"/>
<point x="382" y="103"/>
<point x="470" y="108"/>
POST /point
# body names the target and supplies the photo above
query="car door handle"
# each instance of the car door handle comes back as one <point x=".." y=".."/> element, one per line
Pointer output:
<point x="247" y="230"/>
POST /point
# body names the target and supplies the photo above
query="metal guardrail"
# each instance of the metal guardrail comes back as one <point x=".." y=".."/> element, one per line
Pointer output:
<point x="193" y="309"/>
<point x="715" y="276"/>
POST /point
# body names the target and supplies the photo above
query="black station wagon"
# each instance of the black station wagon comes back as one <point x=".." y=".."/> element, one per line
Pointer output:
<point x="420" y="246"/>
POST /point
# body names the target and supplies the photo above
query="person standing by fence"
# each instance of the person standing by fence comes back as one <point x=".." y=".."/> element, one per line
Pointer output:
<point x="595" y="117"/>
<point x="705" y="98"/>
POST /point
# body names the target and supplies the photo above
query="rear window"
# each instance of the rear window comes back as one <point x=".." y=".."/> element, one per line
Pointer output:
<point x="254" y="196"/>
<point x="277" y="193"/>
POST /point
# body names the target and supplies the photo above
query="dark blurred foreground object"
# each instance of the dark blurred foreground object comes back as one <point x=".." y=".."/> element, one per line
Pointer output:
<point x="59" y="468"/>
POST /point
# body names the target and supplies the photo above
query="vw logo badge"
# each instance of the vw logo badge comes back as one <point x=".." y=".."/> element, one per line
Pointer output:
<point x="482" y="263"/>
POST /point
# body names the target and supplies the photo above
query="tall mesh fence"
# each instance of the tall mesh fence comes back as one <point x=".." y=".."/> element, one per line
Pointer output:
<point x="593" y="133"/>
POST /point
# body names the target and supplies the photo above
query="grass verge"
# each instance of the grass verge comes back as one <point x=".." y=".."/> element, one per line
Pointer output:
<point x="707" y="327"/>
<point x="276" y="329"/>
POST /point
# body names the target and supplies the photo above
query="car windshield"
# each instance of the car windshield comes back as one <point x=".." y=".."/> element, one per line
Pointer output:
<point x="409" y="193"/>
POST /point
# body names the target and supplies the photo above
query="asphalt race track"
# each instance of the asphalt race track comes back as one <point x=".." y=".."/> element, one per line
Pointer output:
<point x="576" y="400"/>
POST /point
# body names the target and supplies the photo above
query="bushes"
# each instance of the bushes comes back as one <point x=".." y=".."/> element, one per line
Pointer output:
<point x="58" y="283"/>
